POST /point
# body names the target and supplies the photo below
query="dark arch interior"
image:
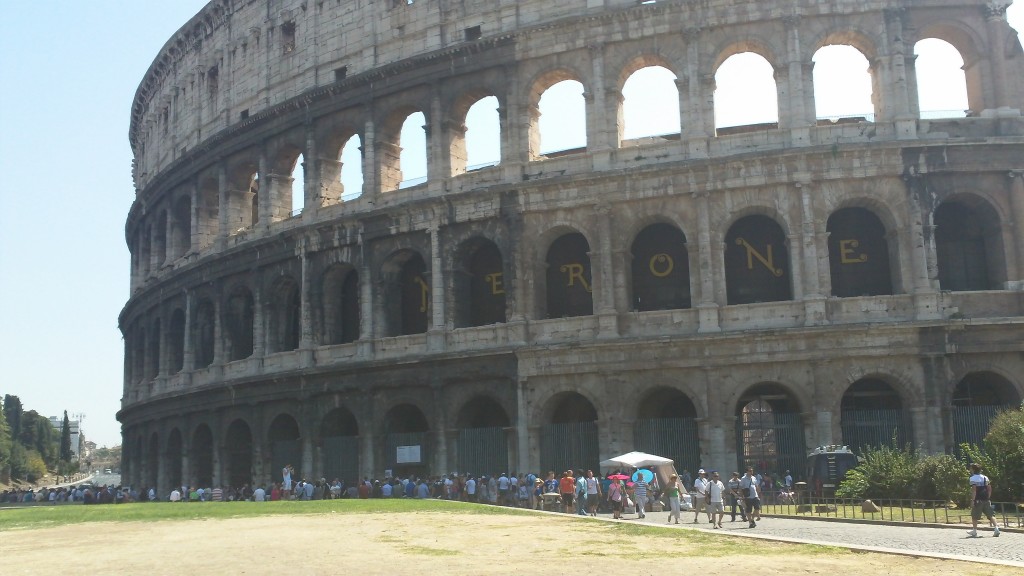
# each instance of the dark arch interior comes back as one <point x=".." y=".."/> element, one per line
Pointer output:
<point x="985" y="389"/>
<point x="284" y="427"/>
<point x="174" y="458"/>
<point x="339" y="422"/>
<point x="667" y="403"/>
<point x="405" y="419"/>
<point x="482" y="412"/>
<point x="870" y="394"/>
<point x="572" y="407"/>
<point x="202" y="455"/>
<point x="660" y="268"/>
<point x="239" y="454"/>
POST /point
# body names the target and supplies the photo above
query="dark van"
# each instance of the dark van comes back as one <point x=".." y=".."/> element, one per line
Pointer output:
<point x="826" y="468"/>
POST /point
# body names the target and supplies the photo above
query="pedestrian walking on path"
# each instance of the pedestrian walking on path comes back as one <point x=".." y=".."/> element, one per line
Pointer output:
<point x="981" y="501"/>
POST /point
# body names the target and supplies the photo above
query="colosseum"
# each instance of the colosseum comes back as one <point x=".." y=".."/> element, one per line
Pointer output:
<point x="721" y="295"/>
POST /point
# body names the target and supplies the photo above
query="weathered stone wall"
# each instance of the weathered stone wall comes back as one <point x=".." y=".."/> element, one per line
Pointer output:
<point x="232" y="330"/>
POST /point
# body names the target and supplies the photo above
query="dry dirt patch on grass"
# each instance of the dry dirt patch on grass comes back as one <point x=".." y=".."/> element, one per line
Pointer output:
<point x="426" y="543"/>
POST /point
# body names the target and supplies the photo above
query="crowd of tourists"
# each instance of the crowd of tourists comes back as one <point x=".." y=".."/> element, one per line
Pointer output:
<point x="84" y="493"/>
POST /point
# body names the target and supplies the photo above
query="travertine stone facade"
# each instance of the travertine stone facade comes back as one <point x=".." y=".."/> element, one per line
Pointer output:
<point x="722" y="296"/>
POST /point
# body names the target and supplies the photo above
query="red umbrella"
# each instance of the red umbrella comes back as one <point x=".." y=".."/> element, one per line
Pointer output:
<point x="618" y="477"/>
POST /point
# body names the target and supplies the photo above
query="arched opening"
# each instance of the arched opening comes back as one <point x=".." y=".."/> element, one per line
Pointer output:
<point x="569" y="291"/>
<point x="745" y="94"/>
<point x="842" y="85"/>
<point x="977" y="398"/>
<point x="340" y="305"/>
<point x="481" y="146"/>
<point x="351" y="169"/>
<point x="562" y="120"/>
<point x="176" y="351"/>
<point x="285" y="446"/>
<point x="479" y="285"/>
<point x="339" y="433"/>
<point x="153" y="462"/>
<point x="409" y="285"/>
<point x="160" y="239"/>
<point x="238" y="319"/>
<point x="968" y="245"/>
<point x="204" y="333"/>
<point x="483" y="437"/>
<point x="285" y="315"/>
<point x="407" y="440"/>
<point x="769" y="430"/>
<point x="413" y="151"/>
<point x="666" y="425"/>
<point x="153" y="351"/>
<point x="569" y="438"/>
<point x="297" y="191"/>
<point x="756" y="262"/>
<point x="238" y="448"/>
<point x="941" y="82"/>
<point x="872" y="414"/>
<point x="181" y="227"/>
<point x="174" y="461"/>
<point x="650" y="103"/>
<point x="661" y="269"/>
<point x="243" y="198"/>
<point x="202" y="455"/>
<point x="858" y="254"/>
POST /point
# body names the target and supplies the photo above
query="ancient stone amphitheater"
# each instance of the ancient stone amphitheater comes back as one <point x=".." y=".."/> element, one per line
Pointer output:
<point x="719" y="295"/>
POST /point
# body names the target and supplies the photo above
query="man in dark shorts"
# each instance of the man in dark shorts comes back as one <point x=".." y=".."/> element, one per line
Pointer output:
<point x="981" y="501"/>
<point x="752" y="496"/>
<point x="567" y="487"/>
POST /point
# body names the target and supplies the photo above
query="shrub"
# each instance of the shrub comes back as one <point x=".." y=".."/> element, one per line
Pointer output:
<point x="943" y="477"/>
<point x="35" y="467"/>
<point x="884" y="472"/>
<point x="1002" y="456"/>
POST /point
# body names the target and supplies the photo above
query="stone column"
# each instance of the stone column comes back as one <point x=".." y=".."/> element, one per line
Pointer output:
<point x="439" y="159"/>
<point x="188" y="363"/>
<point x="814" y="300"/>
<point x="603" y="281"/>
<point x="523" y="456"/>
<point x="925" y="297"/>
<point x="1016" y="183"/>
<point x="799" y="117"/>
<point x="713" y="438"/>
<point x="311" y="200"/>
<point x="259" y="333"/>
<point x="367" y="324"/>
<point x="224" y="207"/>
<point x="435" y="332"/>
<point x="696" y="99"/>
<point x="195" y="233"/>
<point x="264" y="193"/>
<point x="793" y="245"/>
<point x="995" y="23"/>
<point x="440" y="463"/>
<point x="371" y="175"/>
<point x="707" y="306"/>
<point x="824" y="429"/>
<point x="306" y="341"/>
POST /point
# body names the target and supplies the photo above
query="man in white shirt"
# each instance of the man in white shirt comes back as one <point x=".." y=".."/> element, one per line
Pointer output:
<point x="716" y="499"/>
<point x="259" y="494"/>
<point x="750" y="487"/>
<point x="175" y="495"/>
<point x="700" y="492"/>
<point x="981" y="501"/>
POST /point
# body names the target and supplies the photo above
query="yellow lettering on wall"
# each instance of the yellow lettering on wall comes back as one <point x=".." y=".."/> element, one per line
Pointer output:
<point x="752" y="254"/>
<point x="495" y="280"/>
<point x="847" y="254"/>
<point x="424" y="291"/>
<point x="666" y="264"/>
<point x="575" y="271"/>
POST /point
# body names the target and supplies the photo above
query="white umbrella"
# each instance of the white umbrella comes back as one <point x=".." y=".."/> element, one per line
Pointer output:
<point x="636" y="460"/>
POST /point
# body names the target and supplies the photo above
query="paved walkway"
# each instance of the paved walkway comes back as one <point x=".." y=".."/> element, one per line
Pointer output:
<point x="918" y="540"/>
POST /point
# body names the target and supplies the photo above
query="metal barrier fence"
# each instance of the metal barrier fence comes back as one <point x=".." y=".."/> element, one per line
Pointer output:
<point x="1007" y="514"/>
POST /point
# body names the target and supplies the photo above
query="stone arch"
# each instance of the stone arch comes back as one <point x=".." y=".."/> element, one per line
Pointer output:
<point x="479" y="290"/>
<point x="975" y="399"/>
<point x="757" y="267"/>
<point x="969" y="244"/>
<point x="204" y="333"/>
<point x="406" y="426"/>
<point x="742" y="82"/>
<point x="239" y="323"/>
<point x="284" y="315"/>
<point x="339" y="437"/>
<point x="769" y="429"/>
<point x="173" y="458"/>
<point x="538" y="86"/>
<point x="484" y="432"/>
<point x="243" y="199"/>
<point x="717" y="54"/>
<point x="459" y="128"/>
<point x="201" y="455"/>
<point x="393" y="175"/>
<point x="176" y="344"/>
<point x="969" y="43"/>
<point x="181" y="226"/>
<point x="284" y="440"/>
<point x="569" y="437"/>
<point x="406" y="293"/>
<point x="339" y="304"/>
<point x="660" y="92"/>
<point x="859" y="253"/>
<point x="159" y="241"/>
<point x="208" y="211"/>
<point x="666" y="425"/>
<point x="569" y="278"/>
<point x="660" y="270"/>
<point x="873" y="413"/>
<point x="238" y="451"/>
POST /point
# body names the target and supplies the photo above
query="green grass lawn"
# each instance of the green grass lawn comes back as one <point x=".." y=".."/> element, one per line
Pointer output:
<point x="16" y="518"/>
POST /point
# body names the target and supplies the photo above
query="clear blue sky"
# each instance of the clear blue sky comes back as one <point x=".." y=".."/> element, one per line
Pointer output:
<point x="68" y="71"/>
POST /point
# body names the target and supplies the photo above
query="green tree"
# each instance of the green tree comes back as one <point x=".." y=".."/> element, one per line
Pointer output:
<point x="35" y="467"/>
<point x="5" y="449"/>
<point x="883" y="472"/>
<point x="1002" y="455"/>
<point x="65" y="439"/>
<point x="12" y="412"/>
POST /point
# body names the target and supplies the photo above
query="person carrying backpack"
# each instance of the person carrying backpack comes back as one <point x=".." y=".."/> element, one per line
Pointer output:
<point x="981" y="501"/>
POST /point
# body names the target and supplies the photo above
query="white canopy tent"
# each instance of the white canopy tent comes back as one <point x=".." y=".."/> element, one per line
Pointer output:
<point x="661" y="466"/>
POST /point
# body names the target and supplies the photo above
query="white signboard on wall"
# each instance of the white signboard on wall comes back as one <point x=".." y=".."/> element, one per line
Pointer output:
<point x="407" y="454"/>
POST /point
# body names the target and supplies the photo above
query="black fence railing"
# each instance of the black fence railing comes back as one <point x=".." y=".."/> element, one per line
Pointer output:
<point x="1008" y="514"/>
